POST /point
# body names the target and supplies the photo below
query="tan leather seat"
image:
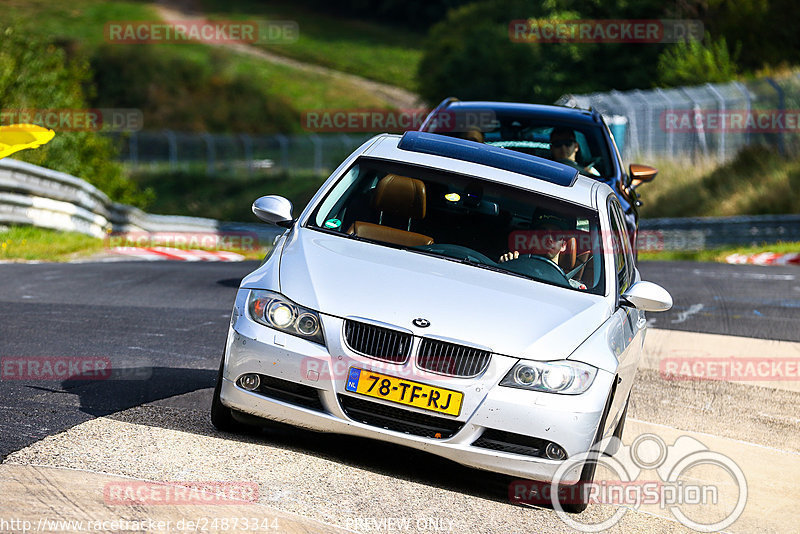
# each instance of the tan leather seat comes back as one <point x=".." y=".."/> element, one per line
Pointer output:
<point x="387" y="234"/>
<point x="566" y="260"/>
<point x="399" y="200"/>
<point x="571" y="258"/>
<point x="400" y="196"/>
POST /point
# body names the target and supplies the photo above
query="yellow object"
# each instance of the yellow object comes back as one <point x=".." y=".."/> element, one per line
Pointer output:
<point x="16" y="137"/>
<point x="406" y="392"/>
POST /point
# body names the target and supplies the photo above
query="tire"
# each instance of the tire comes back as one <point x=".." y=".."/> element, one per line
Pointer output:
<point x="576" y="506"/>
<point x="221" y="415"/>
<point x="614" y="446"/>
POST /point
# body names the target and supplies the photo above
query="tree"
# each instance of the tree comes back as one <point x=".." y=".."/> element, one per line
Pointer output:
<point x="695" y="62"/>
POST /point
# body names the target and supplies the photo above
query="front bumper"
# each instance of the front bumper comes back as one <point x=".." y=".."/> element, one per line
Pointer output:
<point x="570" y="421"/>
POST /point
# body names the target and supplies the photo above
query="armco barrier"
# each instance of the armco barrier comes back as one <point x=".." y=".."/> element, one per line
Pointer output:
<point x="49" y="199"/>
<point x="700" y="233"/>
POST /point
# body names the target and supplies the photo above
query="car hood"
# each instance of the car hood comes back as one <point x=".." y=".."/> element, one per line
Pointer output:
<point x="505" y="313"/>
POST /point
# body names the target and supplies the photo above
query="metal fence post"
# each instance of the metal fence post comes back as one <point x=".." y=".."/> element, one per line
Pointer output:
<point x="209" y="153"/>
<point x="283" y="141"/>
<point x="700" y="133"/>
<point x="648" y="113"/>
<point x="746" y="92"/>
<point x="669" y="132"/>
<point x="781" y="109"/>
<point x="247" y="143"/>
<point x="133" y="150"/>
<point x="723" y="133"/>
<point x="173" y="149"/>
<point x="315" y="140"/>
<point x="633" y="129"/>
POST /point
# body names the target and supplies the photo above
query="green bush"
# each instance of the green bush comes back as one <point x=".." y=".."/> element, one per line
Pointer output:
<point x="178" y="93"/>
<point x="695" y="62"/>
<point x="470" y="55"/>
<point x="39" y="74"/>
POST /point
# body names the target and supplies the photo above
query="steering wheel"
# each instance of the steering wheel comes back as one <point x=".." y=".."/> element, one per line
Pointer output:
<point x="592" y="163"/>
<point x="538" y="267"/>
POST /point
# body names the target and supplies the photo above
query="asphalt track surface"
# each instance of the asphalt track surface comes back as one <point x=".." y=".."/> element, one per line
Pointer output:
<point x="172" y="317"/>
<point x="162" y="325"/>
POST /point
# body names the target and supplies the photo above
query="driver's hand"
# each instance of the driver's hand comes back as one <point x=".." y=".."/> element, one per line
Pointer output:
<point x="509" y="256"/>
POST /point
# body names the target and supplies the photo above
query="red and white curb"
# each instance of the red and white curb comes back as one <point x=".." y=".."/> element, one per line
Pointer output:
<point x="176" y="254"/>
<point x="765" y="258"/>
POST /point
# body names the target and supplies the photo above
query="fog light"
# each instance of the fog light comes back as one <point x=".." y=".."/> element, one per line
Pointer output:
<point x="250" y="381"/>
<point x="554" y="452"/>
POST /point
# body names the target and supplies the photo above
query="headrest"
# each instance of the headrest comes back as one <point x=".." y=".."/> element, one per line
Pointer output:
<point x="567" y="259"/>
<point x="401" y="196"/>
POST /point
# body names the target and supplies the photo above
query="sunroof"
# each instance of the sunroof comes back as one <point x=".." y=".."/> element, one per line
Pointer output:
<point x="491" y="156"/>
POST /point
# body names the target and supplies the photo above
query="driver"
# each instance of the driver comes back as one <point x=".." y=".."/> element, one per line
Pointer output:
<point x="564" y="149"/>
<point x="552" y="242"/>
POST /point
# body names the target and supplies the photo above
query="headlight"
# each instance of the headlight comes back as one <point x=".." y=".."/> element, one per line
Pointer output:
<point x="276" y="311"/>
<point x="566" y="377"/>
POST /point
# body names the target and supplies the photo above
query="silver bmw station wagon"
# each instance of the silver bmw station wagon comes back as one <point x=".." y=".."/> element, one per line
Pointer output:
<point x="463" y="299"/>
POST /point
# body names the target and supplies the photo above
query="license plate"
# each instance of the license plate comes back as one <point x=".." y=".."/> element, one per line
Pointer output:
<point x="405" y="392"/>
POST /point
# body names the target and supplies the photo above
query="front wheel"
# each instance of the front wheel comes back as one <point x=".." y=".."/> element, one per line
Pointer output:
<point x="579" y="493"/>
<point x="221" y="415"/>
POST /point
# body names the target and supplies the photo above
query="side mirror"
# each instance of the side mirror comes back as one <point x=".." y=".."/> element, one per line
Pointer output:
<point x="274" y="210"/>
<point x="641" y="174"/>
<point x="647" y="296"/>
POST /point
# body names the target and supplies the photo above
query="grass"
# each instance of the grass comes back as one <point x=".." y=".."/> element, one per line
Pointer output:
<point x="718" y="254"/>
<point x="84" y="22"/>
<point x="227" y="197"/>
<point x="371" y="50"/>
<point x="758" y="181"/>
<point x="30" y="243"/>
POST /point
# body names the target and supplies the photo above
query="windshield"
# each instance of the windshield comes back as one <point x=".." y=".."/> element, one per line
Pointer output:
<point x="580" y="146"/>
<point x="466" y="219"/>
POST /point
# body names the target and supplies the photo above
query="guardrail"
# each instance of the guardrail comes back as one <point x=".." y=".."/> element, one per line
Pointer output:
<point x="33" y="195"/>
<point x="42" y="197"/>
<point x="698" y="233"/>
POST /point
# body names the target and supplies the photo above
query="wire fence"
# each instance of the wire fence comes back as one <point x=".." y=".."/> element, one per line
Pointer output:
<point x="234" y="153"/>
<point x="711" y="120"/>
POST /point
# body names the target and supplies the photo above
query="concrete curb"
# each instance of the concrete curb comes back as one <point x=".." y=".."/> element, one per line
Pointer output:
<point x="53" y="499"/>
<point x="765" y="258"/>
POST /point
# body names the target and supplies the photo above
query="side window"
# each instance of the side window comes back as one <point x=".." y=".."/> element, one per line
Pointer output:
<point x="623" y="257"/>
